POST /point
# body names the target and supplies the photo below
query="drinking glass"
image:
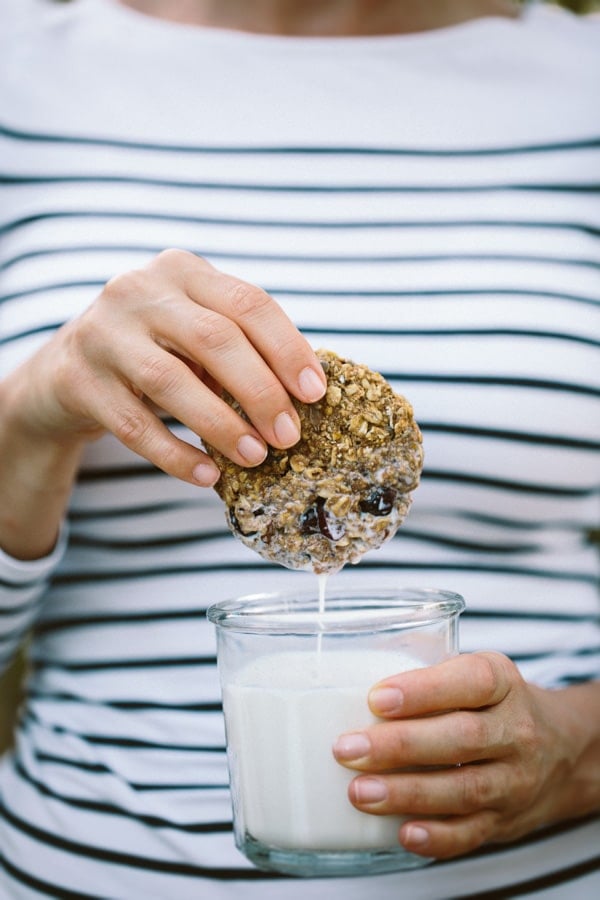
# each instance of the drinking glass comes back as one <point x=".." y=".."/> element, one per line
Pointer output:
<point x="295" y="675"/>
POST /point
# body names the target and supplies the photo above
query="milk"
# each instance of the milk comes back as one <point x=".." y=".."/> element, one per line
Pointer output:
<point x="283" y="713"/>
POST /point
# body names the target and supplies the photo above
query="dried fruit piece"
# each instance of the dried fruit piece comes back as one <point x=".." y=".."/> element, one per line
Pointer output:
<point x="380" y="502"/>
<point x="316" y="520"/>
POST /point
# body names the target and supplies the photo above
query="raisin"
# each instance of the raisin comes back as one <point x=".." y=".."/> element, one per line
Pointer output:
<point x="309" y="521"/>
<point x="380" y="502"/>
<point x="316" y="521"/>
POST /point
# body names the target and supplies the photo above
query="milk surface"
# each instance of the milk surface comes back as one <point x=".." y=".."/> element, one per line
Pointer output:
<point x="283" y="713"/>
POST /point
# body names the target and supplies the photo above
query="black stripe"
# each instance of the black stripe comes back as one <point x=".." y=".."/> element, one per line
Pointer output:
<point x="286" y="149"/>
<point x="371" y="331"/>
<point x="461" y="333"/>
<point x="134" y="471"/>
<point x="194" y="786"/>
<point x="151" y="864"/>
<point x="105" y="740"/>
<point x="531" y="885"/>
<point x="530" y="616"/>
<point x="495" y="380"/>
<point x="549" y="440"/>
<point x="101" y="769"/>
<point x="255" y="187"/>
<point x="84" y="540"/>
<point x="48" y="626"/>
<point x="376" y="332"/>
<point x="17" y="608"/>
<point x="130" y="705"/>
<point x="556" y="654"/>
<point x="300" y="224"/>
<point x="96" y="665"/>
<point x="549" y="878"/>
<point x="101" y="575"/>
<point x="48" y="288"/>
<point x="150" y="509"/>
<point x="92" y="621"/>
<point x="503" y="521"/>
<point x="345" y="294"/>
<point x="150" y="821"/>
<point x="319" y="258"/>
<point x="30" y="332"/>
<point x="569" y="680"/>
<point x="44" y="887"/>
<point x="467" y="292"/>
<point x="19" y="586"/>
<point x="509" y="485"/>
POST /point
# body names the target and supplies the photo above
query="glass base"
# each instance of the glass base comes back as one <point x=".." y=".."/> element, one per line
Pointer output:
<point x="328" y="863"/>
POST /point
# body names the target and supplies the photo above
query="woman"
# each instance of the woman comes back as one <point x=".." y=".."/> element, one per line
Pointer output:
<point x="407" y="183"/>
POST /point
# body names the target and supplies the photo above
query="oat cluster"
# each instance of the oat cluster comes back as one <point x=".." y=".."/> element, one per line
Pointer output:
<point x="343" y="489"/>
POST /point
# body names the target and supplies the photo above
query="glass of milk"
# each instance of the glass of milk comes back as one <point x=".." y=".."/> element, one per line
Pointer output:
<point x="295" y="674"/>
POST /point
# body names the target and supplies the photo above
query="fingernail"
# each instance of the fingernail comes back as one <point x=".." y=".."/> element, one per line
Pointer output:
<point x="415" y="836"/>
<point x="286" y="430"/>
<point x="253" y="450"/>
<point x="369" y="790"/>
<point x="205" y="474"/>
<point x="351" y="747"/>
<point x="386" y="700"/>
<point x="311" y="384"/>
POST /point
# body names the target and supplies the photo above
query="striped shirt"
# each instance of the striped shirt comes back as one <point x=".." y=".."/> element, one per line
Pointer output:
<point x="425" y="204"/>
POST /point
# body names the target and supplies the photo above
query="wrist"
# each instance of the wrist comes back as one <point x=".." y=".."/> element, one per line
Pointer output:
<point x="36" y="477"/>
<point x="32" y="446"/>
<point x="574" y="711"/>
<point x="584" y="701"/>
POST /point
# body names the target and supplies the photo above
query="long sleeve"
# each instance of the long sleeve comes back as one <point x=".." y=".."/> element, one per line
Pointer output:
<point x="22" y="588"/>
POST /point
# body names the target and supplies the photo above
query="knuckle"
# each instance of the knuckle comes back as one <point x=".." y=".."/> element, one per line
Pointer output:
<point x="480" y="831"/>
<point x="452" y="840"/>
<point x="131" y="427"/>
<point x="169" y="458"/>
<point x="125" y="285"/>
<point x="173" y="257"/>
<point x="215" y="424"/>
<point x="473" y="731"/>
<point x="246" y="300"/>
<point x="476" y="788"/>
<point x="213" y="331"/>
<point x="287" y="349"/>
<point x="524" y="784"/>
<point x="261" y="393"/>
<point x="528" y="738"/>
<point x="487" y="674"/>
<point x="417" y="798"/>
<point x="157" y="376"/>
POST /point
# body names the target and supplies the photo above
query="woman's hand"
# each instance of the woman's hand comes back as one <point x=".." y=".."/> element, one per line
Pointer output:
<point x="169" y="336"/>
<point x="513" y="756"/>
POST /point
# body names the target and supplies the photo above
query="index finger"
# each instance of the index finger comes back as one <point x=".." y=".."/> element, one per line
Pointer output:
<point x="470" y="681"/>
<point x="287" y="353"/>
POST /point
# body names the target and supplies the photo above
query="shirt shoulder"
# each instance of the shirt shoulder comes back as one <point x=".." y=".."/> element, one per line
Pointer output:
<point x="574" y="37"/>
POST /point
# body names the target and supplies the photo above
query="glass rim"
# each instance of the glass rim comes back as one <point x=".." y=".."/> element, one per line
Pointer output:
<point x="346" y="611"/>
